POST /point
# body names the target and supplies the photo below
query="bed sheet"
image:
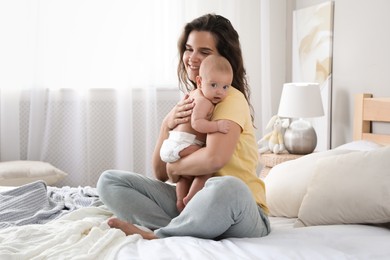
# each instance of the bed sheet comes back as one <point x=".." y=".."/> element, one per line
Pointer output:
<point x="284" y="242"/>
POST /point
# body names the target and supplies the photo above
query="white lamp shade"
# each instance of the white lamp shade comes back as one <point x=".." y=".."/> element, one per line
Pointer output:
<point x="301" y="100"/>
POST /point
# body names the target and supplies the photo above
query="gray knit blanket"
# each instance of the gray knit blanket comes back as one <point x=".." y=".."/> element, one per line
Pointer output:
<point x="36" y="203"/>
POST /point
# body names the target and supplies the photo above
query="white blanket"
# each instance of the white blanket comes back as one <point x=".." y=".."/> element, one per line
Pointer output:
<point x="82" y="234"/>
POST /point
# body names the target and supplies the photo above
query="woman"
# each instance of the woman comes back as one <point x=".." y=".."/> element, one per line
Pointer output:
<point x="232" y="204"/>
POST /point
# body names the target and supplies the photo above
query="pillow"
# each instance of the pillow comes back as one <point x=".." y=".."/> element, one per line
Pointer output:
<point x="16" y="173"/>
<point x="286" y="183"/>
<point x="351" y="188"/>
<point x="360" y="145"/>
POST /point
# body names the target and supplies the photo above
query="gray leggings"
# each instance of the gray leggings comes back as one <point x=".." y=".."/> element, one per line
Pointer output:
<point x="224" y="208"/>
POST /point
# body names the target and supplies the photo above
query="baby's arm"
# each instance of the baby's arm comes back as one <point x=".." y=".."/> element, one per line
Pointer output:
<point x="200" y="118"/>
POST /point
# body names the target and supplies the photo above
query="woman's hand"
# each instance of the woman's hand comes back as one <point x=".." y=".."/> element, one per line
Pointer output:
<point x="181" y="113"/>
<point x="172" y="178"/>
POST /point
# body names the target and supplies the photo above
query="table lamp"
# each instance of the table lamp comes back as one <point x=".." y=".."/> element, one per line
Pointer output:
<point x="299" y="101"/>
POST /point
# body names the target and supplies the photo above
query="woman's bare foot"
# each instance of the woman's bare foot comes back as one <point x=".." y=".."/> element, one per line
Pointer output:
<point x="129" y="229"/>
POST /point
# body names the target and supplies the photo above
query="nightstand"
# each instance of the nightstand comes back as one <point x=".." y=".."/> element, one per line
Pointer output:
<point x="269" y="160"/>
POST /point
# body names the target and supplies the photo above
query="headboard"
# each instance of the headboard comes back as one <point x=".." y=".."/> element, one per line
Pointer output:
<point x="367" y="111"/>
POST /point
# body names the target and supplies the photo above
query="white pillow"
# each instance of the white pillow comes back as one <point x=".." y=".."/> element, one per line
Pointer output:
<point x="286" y="183"/>
<point x="16" y="173"/>
<point x="349" y="189"/>
<point x="360" y="145"/>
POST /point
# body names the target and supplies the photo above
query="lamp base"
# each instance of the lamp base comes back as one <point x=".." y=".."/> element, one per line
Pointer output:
<point x="300" y="137"/>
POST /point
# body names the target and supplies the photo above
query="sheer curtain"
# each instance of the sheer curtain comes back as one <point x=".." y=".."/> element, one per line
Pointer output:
<point x="85" y="84"/>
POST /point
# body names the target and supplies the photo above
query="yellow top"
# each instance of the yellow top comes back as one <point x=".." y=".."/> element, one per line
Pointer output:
<point x="244" y="160"/>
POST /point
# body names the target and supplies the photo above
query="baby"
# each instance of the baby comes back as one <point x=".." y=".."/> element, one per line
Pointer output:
<point x="213" y="82"/>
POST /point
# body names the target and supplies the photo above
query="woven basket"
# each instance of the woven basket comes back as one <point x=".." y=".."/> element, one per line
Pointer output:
<point x="271" y="159"/>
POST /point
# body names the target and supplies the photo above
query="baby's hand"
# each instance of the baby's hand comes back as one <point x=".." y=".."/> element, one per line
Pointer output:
<point x="223" y="126"/>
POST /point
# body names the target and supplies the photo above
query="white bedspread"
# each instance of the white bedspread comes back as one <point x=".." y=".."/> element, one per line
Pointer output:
<point x="84" y="234"/>
<point x="284" y="242"/>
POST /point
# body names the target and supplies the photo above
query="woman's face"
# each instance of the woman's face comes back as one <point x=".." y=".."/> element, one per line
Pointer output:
<point x="199" y="45"/>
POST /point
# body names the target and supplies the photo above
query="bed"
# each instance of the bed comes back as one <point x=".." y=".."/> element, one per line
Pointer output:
<point x="326" y="205"/>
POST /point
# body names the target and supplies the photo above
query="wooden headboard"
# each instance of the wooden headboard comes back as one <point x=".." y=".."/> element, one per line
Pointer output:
<point x="367" y="111"/>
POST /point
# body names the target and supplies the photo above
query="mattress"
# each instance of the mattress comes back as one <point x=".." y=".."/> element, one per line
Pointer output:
<point x="84" y="234"/>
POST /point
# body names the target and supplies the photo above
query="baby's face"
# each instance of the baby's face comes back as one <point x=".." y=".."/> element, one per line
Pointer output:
<point x="215" y="86"/>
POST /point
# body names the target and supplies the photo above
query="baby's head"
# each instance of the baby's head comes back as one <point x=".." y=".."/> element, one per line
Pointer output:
<point x="215" y="77"/>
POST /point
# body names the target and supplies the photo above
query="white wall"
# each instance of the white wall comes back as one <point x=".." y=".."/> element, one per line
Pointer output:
<point x="278" y="48"/>
<point x="361" y="59"/>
